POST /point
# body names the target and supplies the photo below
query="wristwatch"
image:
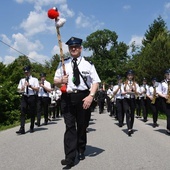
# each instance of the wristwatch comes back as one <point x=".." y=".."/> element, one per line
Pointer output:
<point x="91" y="94"/>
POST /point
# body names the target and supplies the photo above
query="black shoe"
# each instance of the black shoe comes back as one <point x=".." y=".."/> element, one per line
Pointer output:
<point x="129" y="132"/>
<point x="38" y="124"/>
<point x="81" y="156"/>
<point x="145" y="120"/>
<point x="21" y="131"/>
<point x="168" y="131"/>
<point x="67" y="163"/>
<point x="68" y="167"/>
<point x="120" y="124"/>
<point x="31" y="130"/>
<point x="45" y="123"/>
<point x="155" y="125"/>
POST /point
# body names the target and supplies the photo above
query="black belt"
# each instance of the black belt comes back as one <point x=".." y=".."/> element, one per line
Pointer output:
<point x="78" y="91"/>
<point x="27" y="95"/>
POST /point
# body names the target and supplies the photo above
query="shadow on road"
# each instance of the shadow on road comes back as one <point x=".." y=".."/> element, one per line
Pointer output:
<point x="93" y="151"/>
<point x="163" y="131"/>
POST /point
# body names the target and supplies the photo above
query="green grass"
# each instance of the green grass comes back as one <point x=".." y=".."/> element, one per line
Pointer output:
<point x="3" y="127"/>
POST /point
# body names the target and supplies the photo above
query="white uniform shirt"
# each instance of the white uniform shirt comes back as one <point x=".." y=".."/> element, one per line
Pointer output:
<point x="144" y="88"/>
<point x="130" y="85"/>
<point x="109" y="92"/>
<point x="119" y="95"/>
<point x="158" y="89"/>
<point x="41" y="92"/>
<point x="32" y="81"/>
<point x="86" y="69"/>
<point x="164" y="87"/>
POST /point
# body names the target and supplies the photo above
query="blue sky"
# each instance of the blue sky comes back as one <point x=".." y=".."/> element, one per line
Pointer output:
<point x="26" y="27"/>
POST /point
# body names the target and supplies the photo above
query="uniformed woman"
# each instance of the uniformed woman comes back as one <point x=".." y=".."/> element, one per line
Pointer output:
<point x="131" y="89"/>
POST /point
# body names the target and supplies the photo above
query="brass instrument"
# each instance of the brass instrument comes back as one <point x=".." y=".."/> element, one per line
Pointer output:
<point x="154" y="95"/>
<point x="168" y="93"/>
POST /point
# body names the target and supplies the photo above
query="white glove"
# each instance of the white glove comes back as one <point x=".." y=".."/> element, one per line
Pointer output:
<point x="60" y="22"/>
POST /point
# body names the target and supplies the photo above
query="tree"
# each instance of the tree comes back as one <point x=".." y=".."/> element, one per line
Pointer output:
<point x="108" y="55"/>
<point x="158" y="26"/>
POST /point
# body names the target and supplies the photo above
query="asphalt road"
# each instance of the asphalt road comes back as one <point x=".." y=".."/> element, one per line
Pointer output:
<point x="108" y="148"/>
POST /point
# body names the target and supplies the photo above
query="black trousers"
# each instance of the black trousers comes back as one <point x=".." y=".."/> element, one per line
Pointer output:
<point x="58" y="108"/>
<point x="101" y="105"/>
<point x="129" y="109"/>
<point x="138" y="106"/>
<point x="75" y="118"/>
<point x="42" y="108"/>
<point x="120" y="111"/>
<point x="166" y="109"/>
<point x="28" y="102"/>
<point x="155" y="109"/>
<point x="145" y="107"/>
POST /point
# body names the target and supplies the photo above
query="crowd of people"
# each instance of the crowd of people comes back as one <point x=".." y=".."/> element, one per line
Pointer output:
<point x="81" y="93"/>
<point x="38" y="97"/>
<point x="127" y="99"/>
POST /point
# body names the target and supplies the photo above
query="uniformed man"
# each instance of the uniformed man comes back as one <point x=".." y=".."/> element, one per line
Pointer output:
<point x="131" y="89"/>
<point x="101" y="96"/>
<point x="155" y="90"/>
<point x="43" y="99"/>
<point x="165" y="97"/>
<point x="29" y="86"/>
<point x="144" y="92"/>
<point x="80" y="76"/>
<point x="110" y="100"/>
<point x="118" y="92"/>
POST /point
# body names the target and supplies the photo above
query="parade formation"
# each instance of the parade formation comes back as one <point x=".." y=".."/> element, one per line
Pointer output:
<point x="77" y="91"/>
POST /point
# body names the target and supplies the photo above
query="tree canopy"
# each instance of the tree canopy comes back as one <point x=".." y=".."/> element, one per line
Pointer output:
<point x="111" y="58"/>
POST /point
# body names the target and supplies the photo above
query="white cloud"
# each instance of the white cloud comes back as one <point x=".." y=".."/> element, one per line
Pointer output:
<point x="167" y="6"/>
<point x="21" y="43"/>
<point x="1" y="59"/>
<point x="35" y="57"/>
<point x="67" y="12"/>
<point x="5" y="39"/>
<point x="35" y="23"/>
<point x="83" y="21"/>
<point x="126" y="7"/>
<point x="56" y="49"/>
<point x="8" y="59"/>
<point x="136" y="39"/>
<point x="166" y="11"/>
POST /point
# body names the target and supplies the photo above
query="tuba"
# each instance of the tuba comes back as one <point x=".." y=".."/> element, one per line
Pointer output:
<point x="168" y="93"/>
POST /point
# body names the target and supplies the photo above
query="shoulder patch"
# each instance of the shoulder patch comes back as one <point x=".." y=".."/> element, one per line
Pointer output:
<point x="65" y="59"/>
<point x="88" y="60"/>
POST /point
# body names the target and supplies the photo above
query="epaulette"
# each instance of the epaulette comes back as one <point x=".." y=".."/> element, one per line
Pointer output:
<point x="164" y="81"/>
<point x="65" y="59"/>
<point x="88" y="60"/>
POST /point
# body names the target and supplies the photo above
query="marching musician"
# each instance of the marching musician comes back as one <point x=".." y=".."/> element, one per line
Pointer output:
<point x="131" y="89"/>
<point x="165" y="97"/>
<point x="43" y="99"/>
<point x="110" y="100"/>
<point x="118" y="92"/>
<point x="155" y="90"/>
<point x="144" y="93"/>
<point x="101" y="96"/>
<point x="30" y="86"/>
